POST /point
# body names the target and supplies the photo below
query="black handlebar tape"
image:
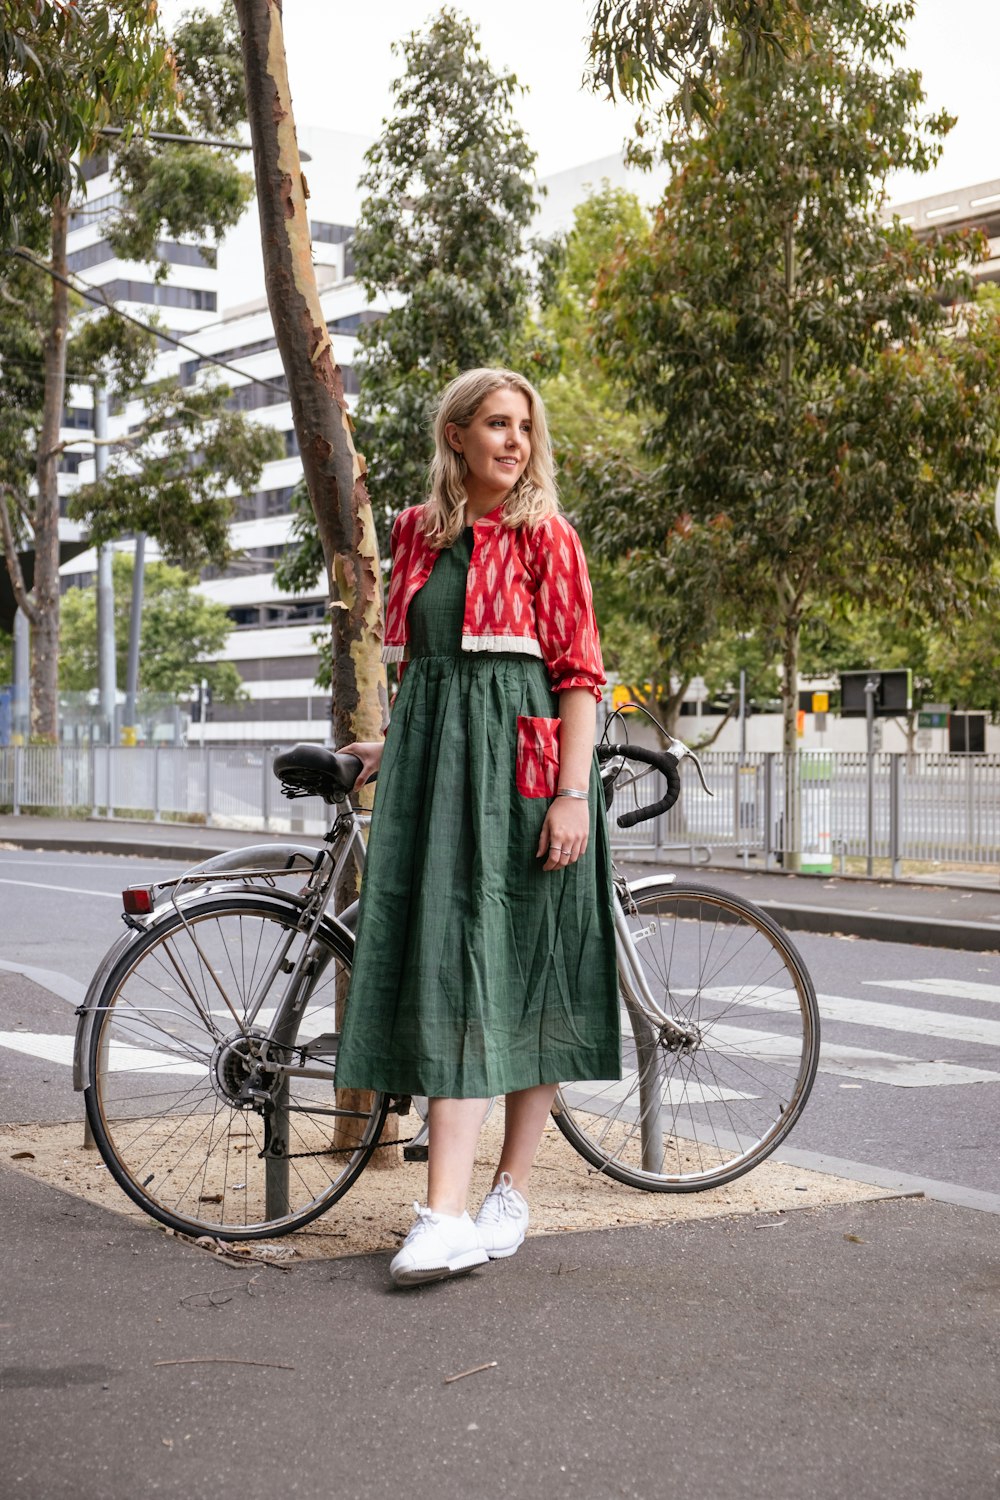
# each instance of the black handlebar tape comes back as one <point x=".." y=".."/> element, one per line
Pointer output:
<point x="662" y="761"/>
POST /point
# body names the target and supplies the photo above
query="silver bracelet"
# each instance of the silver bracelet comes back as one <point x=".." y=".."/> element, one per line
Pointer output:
<point x="569" y="791"/>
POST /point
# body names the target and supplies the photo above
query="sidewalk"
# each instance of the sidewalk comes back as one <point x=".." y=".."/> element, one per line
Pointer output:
<point x="827" y="1352"/>
<point x="798" y="1354"/>
<point x="945" y="916"/>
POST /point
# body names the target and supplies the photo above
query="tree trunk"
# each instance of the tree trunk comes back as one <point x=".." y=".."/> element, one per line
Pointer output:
<point x="45" y="622"/>
<point x="334" y="472"/>
<point x="792" y="810"/>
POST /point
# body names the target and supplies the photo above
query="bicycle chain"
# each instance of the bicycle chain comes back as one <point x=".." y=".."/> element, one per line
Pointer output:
<point x="334" y="1150"/>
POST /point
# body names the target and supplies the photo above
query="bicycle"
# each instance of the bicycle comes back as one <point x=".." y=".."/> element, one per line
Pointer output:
<point x="206" y="1044"/>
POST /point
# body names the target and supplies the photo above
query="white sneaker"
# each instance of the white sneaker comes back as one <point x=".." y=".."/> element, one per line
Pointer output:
<point x="437" y="1246"/>
<point x="502" y="1220"/>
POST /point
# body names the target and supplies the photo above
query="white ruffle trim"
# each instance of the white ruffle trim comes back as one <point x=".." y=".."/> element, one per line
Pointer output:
<point x="394" y="653"/>
<point x="523" y="645"/>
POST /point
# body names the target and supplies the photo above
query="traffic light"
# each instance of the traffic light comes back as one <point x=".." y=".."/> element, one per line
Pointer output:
<point x="893" y="693"/>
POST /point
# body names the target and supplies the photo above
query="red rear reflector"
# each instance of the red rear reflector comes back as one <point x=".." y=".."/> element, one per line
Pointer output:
<point x="138" y="900"/>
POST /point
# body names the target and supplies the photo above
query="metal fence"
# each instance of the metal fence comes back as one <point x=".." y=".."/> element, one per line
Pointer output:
<point x="887" y="807"/>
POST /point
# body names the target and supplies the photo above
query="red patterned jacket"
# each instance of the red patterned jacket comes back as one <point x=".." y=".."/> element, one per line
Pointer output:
<point x="528" y="591"/>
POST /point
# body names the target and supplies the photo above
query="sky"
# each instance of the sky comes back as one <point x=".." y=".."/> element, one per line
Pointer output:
<point x="341" y="66"/>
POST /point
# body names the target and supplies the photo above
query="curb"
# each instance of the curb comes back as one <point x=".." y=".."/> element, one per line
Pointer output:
<point x="884" y="927"/>
<point x="124" y="848"/>
<point x="903" y="1184"/>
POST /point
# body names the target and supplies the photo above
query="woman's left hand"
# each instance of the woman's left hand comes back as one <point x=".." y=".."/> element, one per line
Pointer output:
<point x="565" y="833"/>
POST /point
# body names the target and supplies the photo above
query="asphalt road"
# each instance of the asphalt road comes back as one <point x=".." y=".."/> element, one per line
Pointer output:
<point x="911" y="1035"/>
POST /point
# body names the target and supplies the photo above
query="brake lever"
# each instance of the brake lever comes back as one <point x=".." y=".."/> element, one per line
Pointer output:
<point x="679" y="751"/>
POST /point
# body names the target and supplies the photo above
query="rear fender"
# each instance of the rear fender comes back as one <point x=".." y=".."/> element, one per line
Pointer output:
<point x="89" y="1011"/>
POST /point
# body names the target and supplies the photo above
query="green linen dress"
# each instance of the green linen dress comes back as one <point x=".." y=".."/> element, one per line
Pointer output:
<point x="475" y="972"/>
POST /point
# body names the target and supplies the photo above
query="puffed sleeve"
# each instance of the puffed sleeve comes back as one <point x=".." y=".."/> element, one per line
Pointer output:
<point x="564" y="609"/>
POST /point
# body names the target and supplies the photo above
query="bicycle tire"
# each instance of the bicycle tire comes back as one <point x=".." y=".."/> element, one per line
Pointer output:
<point x="167" y="1058"/>
<point x="685" y="1120"/>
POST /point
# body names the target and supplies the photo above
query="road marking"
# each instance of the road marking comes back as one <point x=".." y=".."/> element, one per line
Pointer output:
<point x="620" y="1090"/>
<point x="124" y="1058"/>
<point x="923" y="1023"/>
<point x="957" y="989"/>
<point x="70" y="990"/>
<point x="71" y="890"/>
<point x="852" y="1062"/>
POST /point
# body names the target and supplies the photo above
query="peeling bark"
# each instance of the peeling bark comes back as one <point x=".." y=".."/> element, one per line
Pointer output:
<point x="334" y="471"/>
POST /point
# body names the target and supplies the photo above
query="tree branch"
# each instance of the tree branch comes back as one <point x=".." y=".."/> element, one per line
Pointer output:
<point x="14" y="570"/>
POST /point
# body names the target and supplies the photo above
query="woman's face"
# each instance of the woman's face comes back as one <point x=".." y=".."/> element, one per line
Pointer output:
<point x="496" y="445"/>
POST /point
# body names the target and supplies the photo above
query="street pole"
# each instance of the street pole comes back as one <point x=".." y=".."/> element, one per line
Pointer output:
<point x="21" y="696"/>
<point x="872" y="685"/>
<point x="105" y="578"/>
<point x="134" y="637"/>
<point x="743" y="713"/>
<point x="21" y="705"/>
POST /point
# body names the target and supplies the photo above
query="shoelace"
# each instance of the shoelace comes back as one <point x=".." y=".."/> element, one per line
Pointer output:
<point x="498" y="1202"/>
<point x="426" y="1219"/>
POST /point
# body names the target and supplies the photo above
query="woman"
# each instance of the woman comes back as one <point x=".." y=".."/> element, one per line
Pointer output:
<point x="485" y="958"/>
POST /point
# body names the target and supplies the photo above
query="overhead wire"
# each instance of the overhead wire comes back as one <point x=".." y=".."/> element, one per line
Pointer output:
<point x="97" y="296"/>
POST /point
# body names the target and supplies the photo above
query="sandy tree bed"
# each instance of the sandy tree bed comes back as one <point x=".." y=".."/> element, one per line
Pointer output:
<point x="375" y="1215"/>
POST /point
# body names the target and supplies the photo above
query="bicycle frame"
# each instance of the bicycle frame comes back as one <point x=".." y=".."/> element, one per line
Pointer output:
<point x="261" y="864"/>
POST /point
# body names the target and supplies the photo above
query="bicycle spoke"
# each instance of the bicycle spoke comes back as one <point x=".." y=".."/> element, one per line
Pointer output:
<point x="193" y="1153"/>
<point x="690" y="1113"/>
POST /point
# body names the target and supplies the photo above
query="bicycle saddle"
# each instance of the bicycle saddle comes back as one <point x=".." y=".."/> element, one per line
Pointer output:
<point x="314" y="771"/>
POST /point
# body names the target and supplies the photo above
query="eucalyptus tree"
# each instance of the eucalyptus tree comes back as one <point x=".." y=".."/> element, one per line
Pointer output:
<point x="816" y="411"/>
<point x="334" y="470"/>
<point x="662" y="54"/>
<point x="183" y="632"/>
<point x="175" y="470"/>
<point x="442" y="235"/>
<point x="65" y="71"/>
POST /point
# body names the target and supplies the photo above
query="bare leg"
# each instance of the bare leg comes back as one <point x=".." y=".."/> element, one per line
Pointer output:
<point x="453" y="1126"/>
<point x="525" y="1116"/>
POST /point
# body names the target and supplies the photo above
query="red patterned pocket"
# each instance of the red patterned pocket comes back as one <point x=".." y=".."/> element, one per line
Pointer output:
<point x="537" y="773"/>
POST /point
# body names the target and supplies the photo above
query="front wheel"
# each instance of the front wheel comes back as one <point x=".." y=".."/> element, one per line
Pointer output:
<point x="205" y="1127"/>
<point x="697" y="1110"/>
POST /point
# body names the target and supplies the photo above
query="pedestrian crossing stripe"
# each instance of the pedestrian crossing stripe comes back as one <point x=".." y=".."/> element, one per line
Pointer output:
<point x="843" y="1008"/>
<point x="836" y="1058"/>
<point x="956" y="989"/>
<point x="123" y="1058"/>
<point x="853" y="1062"/>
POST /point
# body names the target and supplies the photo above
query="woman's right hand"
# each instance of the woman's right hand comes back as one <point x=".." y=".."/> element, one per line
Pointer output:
<point x="369" y="753"/>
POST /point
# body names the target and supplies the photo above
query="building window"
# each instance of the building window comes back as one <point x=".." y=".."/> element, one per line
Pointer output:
<point x="161" y="296"/>
<point x="79" y="418"/>
<point x="252" y="397"/>
<point x="190" y="367"/>
<point x="353" y="321"/>
<point x="93" y="208"/>
<point x="291" y="444"/>
<point x="94" y="166"/>
<point x="175" y="255"/>
<point x="264" y="503"/>
<point x="276" y="502"/>
<point x="330" y="234"/>
<point x="69" y="463"/>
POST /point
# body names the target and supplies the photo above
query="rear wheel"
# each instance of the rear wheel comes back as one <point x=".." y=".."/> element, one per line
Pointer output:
<point x="697" y="1112"/>
<point x="203" y="1126"/>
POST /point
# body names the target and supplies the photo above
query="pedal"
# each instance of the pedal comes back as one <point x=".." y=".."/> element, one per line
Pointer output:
<point x="414" y="1152"/>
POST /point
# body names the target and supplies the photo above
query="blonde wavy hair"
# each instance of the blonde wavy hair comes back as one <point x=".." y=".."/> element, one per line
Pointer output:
<point x="533" y="497"/>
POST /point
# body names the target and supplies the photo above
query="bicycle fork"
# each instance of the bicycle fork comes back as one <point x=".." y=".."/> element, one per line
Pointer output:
<point x="655" y="1033"/>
